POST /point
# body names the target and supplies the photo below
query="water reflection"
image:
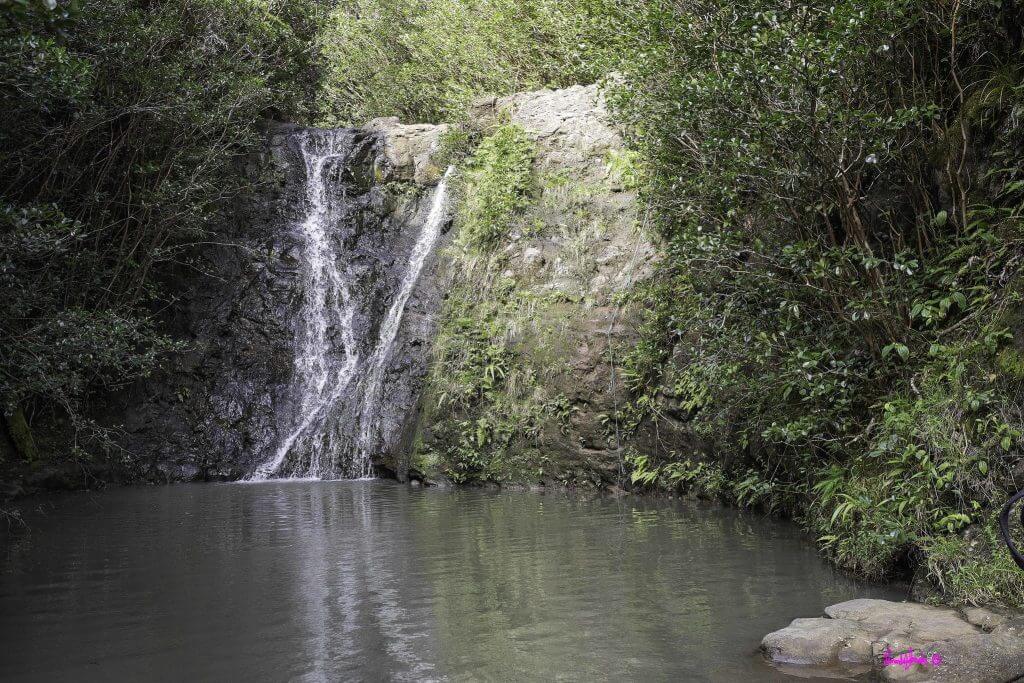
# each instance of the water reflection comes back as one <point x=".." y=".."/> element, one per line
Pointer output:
<point x="373" y="581"/>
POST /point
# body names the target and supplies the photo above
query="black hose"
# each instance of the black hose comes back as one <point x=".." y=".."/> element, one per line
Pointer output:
<point x="1004" y="528"/>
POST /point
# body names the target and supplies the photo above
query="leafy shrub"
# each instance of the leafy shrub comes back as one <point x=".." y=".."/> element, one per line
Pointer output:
<point x="499" y="186"/>
<point x="840" y="198"/>
<point x="702" y="478"/>
<point x="58" y="347"/>
<point x="122" y="126"/>
<point x="425" y="60"/>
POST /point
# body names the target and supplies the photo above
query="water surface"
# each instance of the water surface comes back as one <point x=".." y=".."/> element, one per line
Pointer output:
<point x="369" y="580"/>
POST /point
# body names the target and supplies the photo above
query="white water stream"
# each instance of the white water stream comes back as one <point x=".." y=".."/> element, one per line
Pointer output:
<point x="370" y="407"/>
<point x="327" y="357"/>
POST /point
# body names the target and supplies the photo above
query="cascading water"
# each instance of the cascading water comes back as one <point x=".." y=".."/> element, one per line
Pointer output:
<point x="328" y="306"/>
<point x="339" y="364"/>
<point x="370" y="406"/>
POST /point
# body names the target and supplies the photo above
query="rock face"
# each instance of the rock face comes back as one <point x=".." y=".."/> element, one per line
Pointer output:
<point x="224" y="405"/>
<point x="571" y="126"/>
<point x="976" y="645"/>
<point x="408" y="151"/>
<point x="579" y="247"/>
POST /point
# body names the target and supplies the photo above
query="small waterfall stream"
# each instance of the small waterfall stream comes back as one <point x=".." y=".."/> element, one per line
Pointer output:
<point x="338" y="375"/>
<point x="327" y="304"/>
<point x="370" y="406"/>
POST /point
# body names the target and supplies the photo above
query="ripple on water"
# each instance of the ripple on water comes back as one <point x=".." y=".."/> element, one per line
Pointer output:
<point x="372" y="580"/>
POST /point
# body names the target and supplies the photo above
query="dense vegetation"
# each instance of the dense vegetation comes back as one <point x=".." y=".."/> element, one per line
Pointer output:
<point x="839" y="200"/>
<point x="840" y="194"/>
<point x="837" y="189"/>
<point x="121" y="123"/>
<point x="425" y="60"/>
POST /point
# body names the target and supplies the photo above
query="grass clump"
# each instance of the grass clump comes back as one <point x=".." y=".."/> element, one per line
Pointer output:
<point x="975" y="569"/>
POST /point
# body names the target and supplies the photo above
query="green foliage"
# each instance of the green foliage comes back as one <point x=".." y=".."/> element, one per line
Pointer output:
<point x="626" y="166"/>
<point x="425" y="60"/>
<point x="123" y="122"/>
<point x="499" y="185"/>
<point x="1011" y="364"/>
<point x="473" y="382"/>
<point x="457" y="143"/>
<point x="58" y="344"/>
<point x="702" y="478"/>
<point x="840" y="264"/>
<point x="490" y="407"/>
<point x="976" y="571"/>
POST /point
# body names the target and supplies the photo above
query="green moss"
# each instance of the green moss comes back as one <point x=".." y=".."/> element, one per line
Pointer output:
<point x="1011" y="364"/>
<point x="424" y="460"/>
<point x="21" y="435"/>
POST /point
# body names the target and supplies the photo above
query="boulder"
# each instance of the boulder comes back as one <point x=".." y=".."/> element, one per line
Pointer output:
<point x="809" y="641"/>
<point x="571" y="125"/>
<point x="903" y="617"/>
<point x="945" y="644"/>
<point x="409" y="150"/>
<point x="984" y="619"/>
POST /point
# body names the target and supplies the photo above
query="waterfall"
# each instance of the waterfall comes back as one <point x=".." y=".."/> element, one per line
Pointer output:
<point x="327" y="303"/>
<point x="370" y="405"/>
<point x="338" y="371"/>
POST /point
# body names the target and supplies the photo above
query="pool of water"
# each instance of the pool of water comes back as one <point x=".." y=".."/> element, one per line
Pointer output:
<point x="372" y="580"/>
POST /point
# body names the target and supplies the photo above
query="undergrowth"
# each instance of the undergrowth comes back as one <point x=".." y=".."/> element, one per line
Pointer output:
<point x="838" y="310"/>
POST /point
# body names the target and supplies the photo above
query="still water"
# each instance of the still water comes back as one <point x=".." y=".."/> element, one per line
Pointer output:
<point x="371" y="581"/>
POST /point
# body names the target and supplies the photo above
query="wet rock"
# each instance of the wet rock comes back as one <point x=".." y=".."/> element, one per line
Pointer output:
<point x="979" y="658"/>
<point x="928" y="643"/>
<point x="228" y="401"/>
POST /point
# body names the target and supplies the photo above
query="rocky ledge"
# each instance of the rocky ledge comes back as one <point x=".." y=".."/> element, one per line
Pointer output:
<point x="877" y="636"/>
